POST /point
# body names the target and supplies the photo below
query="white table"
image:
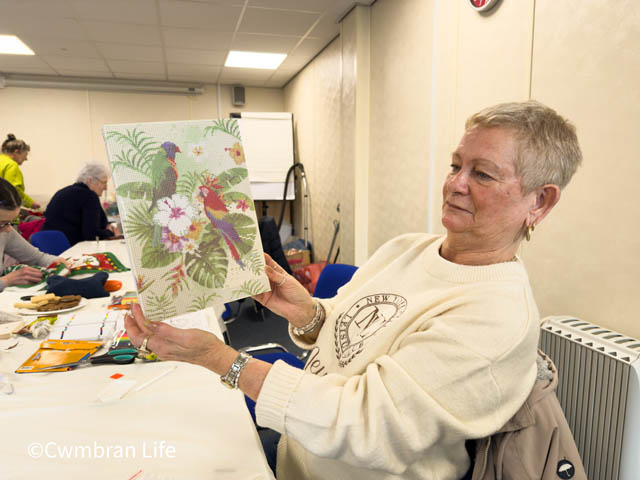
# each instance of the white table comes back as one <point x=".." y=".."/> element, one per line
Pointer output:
<point x="184" y="426"/>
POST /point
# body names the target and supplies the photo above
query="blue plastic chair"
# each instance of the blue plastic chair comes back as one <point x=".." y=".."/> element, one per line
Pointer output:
<point x="332" y="277"/>
<point x="53" y="242"/>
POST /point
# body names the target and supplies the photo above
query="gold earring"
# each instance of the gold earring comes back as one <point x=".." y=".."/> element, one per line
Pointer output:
<point x="527" y="234"/>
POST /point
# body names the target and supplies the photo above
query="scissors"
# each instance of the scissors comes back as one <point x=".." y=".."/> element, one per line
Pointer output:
<point x="120" y="356"/>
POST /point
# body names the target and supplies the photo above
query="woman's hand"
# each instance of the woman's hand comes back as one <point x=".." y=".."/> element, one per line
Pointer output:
<point x="112" y="228"/>
<point x="289" y="299"/>
<point x="170" y="343"/>
<point x="35" y="206"/>
<point x="23" y="276"/>
<point x="64" y="261"/>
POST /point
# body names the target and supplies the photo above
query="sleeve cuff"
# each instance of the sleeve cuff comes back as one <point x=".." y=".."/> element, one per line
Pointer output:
<point x="2" y="285"/>
<point x="275" y="395"/>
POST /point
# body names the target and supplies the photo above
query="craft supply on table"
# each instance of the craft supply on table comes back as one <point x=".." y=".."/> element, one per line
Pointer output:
<point x="154" y="379"/>
<point x="115" y="390"/>
<point x="58" y="356"/>
<point x="8" y="329"/>
<point x="88" y="325"/>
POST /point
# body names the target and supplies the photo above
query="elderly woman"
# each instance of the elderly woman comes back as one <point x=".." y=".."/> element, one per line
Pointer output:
<point x="14" y="154"/>
<point x="11" y="242"/>
<point x="76" y="211"/>
<point x="434" y="339"/>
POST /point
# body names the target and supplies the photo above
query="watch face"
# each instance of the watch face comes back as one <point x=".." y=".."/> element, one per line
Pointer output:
<point x="482" y="5"/>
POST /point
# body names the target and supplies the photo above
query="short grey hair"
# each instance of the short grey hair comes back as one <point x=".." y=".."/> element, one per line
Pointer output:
<point x="92" y="171"/>
<point x="548" y="148"/>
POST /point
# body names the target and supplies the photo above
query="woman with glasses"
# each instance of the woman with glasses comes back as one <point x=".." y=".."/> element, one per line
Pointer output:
<point x="14" y="153"/>
<point x="76" y="211"/>
<point x="12" y="243"/>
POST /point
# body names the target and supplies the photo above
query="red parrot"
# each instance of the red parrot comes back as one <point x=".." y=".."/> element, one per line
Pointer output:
<point x="215" y="210"/>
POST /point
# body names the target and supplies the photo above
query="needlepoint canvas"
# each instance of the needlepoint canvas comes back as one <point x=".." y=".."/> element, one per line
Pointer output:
<point x="187" y="214"/>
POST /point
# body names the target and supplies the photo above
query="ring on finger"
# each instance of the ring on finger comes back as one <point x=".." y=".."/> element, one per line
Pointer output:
<point x="143" y="348"/>
<point x="284" y="279"/>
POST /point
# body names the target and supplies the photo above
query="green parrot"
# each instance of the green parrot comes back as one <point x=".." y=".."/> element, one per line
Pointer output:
<point x="164" y="176"/>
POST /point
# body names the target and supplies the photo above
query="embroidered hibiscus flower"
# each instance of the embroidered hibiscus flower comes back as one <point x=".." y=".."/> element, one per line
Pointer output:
<point x="171" y="242"/>
<point x="196" y="152"/>
<point x="236" y="153"/>
<point x="175" y="213"/>
<point x="242" y="204"/>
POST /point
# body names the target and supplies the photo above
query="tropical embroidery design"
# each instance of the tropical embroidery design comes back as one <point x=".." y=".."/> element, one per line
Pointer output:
<point x="188" y="218"/>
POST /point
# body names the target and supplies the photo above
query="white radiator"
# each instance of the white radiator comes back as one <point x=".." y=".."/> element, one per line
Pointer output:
<point x="599" y="390"/>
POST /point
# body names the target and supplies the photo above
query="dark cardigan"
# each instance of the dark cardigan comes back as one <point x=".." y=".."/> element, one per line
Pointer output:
<point x="76" y="211"/>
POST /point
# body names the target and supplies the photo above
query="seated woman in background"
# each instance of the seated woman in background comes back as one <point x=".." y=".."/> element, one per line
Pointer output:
<point x="12" y="243"/>
<point x="14" y="154"/>
<point x="76" y="211"/>
<point x="432" y="342"/>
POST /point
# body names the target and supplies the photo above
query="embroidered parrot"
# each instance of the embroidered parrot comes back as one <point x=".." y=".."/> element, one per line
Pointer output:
<point x="164" y="178"/>
<point x="164" y="173"/>
<point x="216" y="210"/>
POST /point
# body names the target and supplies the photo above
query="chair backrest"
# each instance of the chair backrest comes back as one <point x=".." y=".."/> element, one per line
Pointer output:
<point x="332" y="277"/>
<point x="53" y="242"/>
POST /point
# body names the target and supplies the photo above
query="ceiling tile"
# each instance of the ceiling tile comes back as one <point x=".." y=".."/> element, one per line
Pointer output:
<point x="200" y="15"/>
<point x="188" y="69"/>
<point x="200" y="78"/>
<point x="140" y="76"/>
<point x="116" y="11"/>
<point x="192" y="38"/>
<point x="326" y="29"/>
<point x="275" y="83"/>
<point x="76" y="63"/>
<point x="61" y="46"/>
<point x="253" y="42"/>
<point x="300" y="5"/>
<point x="202" y="57"/>
<point x="131" y="66"/>
<point x="277" y="22"/>
<point x="295" y="61"/>
<point x="11" y="61"/>
<point x="51" y="27"/>
<point x="120" y="51"/>
<point x="310" y="47"/>
<point x="123" y="33"/>
<point x="35" y="8"/>
<point x="241" y="75"/>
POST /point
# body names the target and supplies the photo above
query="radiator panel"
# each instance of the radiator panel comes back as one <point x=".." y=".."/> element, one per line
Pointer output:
<point x="594" y="368"/>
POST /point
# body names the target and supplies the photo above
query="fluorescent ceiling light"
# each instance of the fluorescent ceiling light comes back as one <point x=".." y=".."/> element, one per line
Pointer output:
<point x="266" y="61"/>
<point x="14" y="46"/>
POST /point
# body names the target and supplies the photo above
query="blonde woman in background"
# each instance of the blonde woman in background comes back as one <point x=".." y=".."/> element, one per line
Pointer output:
<point x="14" y="153"/>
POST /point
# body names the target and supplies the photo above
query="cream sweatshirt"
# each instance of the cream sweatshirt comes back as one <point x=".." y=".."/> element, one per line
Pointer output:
<point x="416" y="355"/>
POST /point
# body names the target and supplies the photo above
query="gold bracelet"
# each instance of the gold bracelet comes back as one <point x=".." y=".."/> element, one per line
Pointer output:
<point x="318" y="317"/>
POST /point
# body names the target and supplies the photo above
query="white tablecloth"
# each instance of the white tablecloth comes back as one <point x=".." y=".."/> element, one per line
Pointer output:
<point x="184" y="426"/>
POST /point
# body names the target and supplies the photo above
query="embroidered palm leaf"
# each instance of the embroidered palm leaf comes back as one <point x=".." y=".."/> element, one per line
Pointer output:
<point x="136" y="158"/>
<point x="246" y="229"/>
<point x="250" y="287"/>
<point x="230" y="178"/>
<point x="255" y="262"/>
<point x="139" y="224"/>
<point x="202" y="301"/>
<point x="157" y="257"/>
<point x="209" y="266"/>
<point x="188" y="182"/>
<point x="229" y="126"/>
<point x="230" y="197"/>
<point x="135" y="190"/>
<point x="161" y="306"/>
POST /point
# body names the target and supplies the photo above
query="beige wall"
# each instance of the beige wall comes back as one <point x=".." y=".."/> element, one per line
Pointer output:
<point x="63" y="127"/>
<point x="431" y="64"/>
